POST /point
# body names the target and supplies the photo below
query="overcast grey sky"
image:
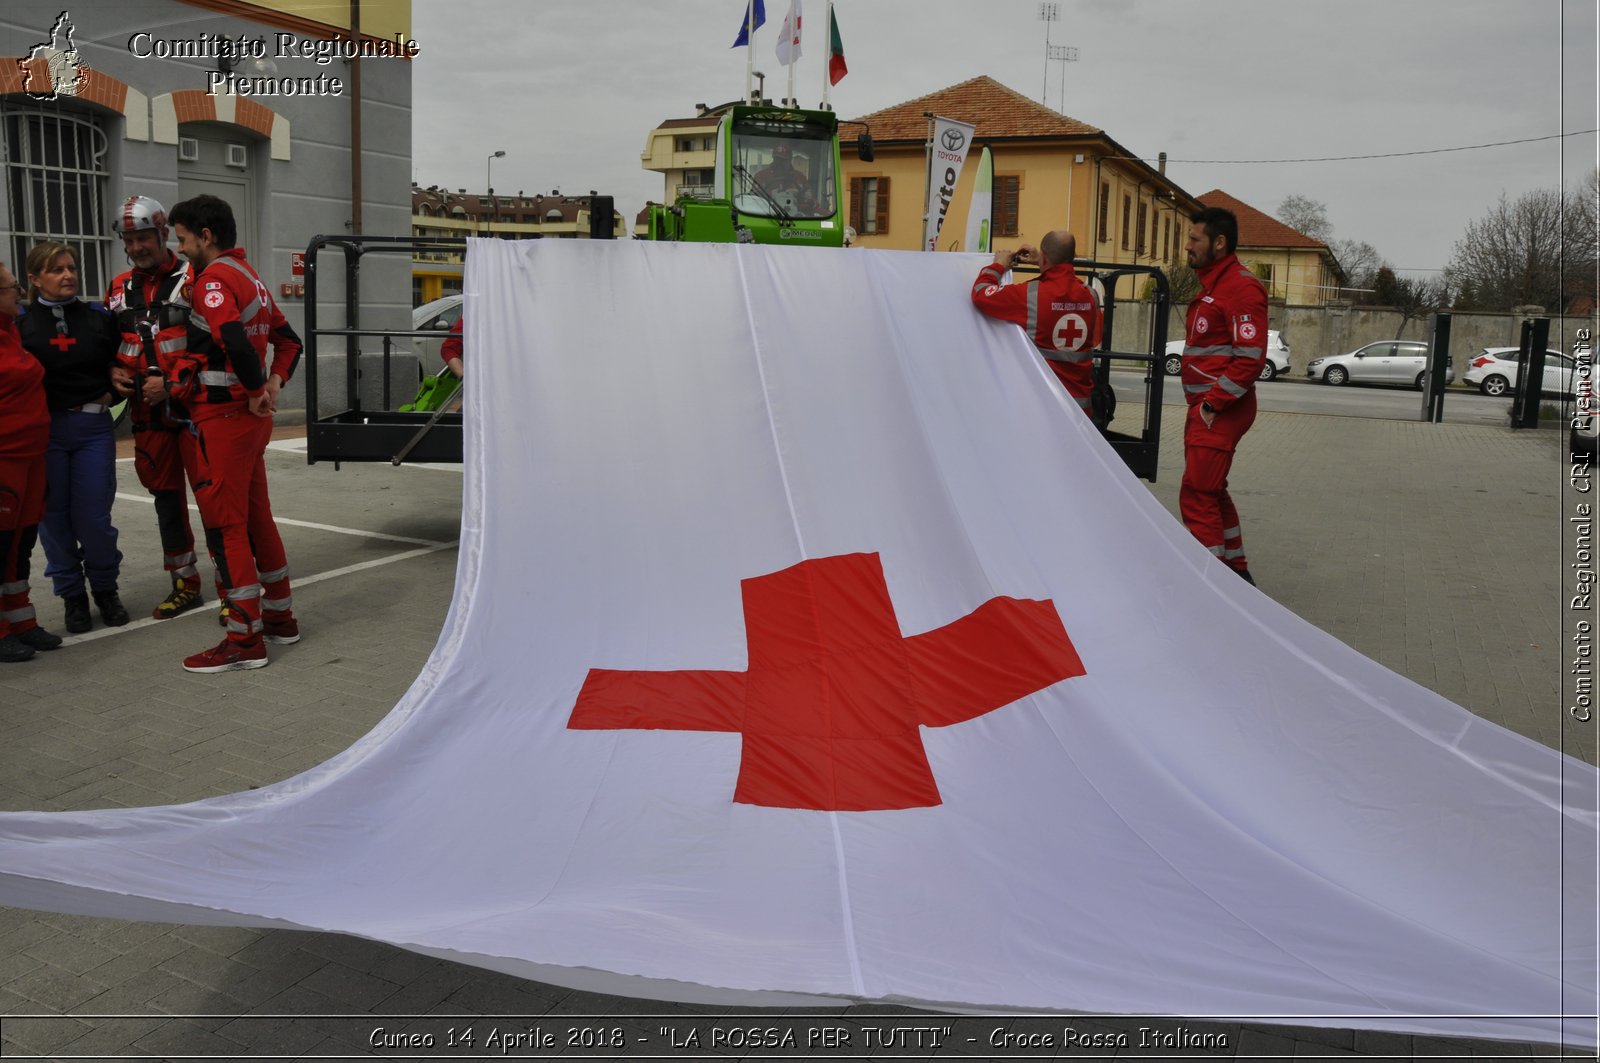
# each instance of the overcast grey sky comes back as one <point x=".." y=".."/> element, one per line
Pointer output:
<point x="570" y="88"/>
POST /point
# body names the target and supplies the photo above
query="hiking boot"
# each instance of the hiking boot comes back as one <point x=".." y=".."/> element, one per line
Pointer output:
<point x="222" y="613"/>
<point x="14" y="651"/>
<point x="78" y="619"/>
<point x="112" y="611"/>
<point x="37" y="638"/>
<point x="181" y="600"/>
<point x="228" y="656"/>
<point x="282" y="632"/>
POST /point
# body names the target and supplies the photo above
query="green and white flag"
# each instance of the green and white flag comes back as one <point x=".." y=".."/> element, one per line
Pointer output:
<point x="978" y="220"/>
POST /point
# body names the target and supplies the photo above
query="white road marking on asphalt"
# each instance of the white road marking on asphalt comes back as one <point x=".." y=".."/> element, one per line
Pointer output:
<point x="324" y="527"/>
<point x="298" y="581"/>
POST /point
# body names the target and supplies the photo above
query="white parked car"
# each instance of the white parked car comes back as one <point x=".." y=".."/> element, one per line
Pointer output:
<point x="439" y="317"/>
<point x="1277" y="357"/>
<point x="1398" y="363"/>
<point x="1493" y="371"/>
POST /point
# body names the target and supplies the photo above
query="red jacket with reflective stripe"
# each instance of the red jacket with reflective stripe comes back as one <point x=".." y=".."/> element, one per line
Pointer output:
<point x="1059" y="313"/>
<point x="24" y="417"/>
<point x="1226" y="335"/>
<point x="233" y="320"/>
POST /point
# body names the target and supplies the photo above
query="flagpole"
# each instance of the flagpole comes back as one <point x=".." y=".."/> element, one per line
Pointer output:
<point x="749" y="47"/>
<point x="827" y="54"/>
<point x="927" y="188"/>
<point x="793" y="24"/>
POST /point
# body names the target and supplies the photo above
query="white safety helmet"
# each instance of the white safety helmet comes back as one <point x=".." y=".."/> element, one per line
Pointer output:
<point x="141" y="212"/>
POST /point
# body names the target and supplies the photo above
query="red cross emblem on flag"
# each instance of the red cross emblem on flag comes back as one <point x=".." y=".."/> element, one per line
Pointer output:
<point x="834" y="696"/>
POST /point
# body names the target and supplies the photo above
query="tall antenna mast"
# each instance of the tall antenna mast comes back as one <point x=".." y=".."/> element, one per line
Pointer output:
<point x="1049" y="12"/>
<point x="1063" y="54"/>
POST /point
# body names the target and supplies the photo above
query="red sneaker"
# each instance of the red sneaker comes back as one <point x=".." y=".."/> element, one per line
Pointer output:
<point x="227" y="656"/>
<point x="282" y="632"/>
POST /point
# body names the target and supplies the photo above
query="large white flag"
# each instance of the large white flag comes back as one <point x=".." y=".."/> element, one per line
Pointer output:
<point x="802" y="657"/>
<point x="789" y="36"/>
<point x="951" y="142"/>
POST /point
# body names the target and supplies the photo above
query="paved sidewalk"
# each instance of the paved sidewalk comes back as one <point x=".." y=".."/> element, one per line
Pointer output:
<point x="1434" y="549"/>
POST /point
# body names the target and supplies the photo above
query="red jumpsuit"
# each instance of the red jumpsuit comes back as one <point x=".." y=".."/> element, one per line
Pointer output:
<point x="233" y="321"/>
<point x="1060" y="315"/>
<point x="152" y="310"/>
<point x="1225" y="343"/>
<point x="24" y="435"/>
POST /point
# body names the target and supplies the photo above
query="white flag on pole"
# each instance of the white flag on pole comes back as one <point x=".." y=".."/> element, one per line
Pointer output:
<point x="789" y="36"/>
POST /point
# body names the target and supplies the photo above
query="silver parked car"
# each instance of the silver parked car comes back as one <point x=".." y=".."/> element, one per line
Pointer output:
<point x="1397" y="363"/>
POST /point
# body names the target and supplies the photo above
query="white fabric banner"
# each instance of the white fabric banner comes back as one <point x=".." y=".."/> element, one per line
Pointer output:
<point x="803" y="656"/>
<point x="951" y="141"/>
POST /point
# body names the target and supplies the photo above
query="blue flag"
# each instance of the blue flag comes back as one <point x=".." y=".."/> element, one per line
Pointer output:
<point x="744" y="27"/>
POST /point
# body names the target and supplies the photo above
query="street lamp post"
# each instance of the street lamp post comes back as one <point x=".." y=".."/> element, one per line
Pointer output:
<point x="488" y="181"/>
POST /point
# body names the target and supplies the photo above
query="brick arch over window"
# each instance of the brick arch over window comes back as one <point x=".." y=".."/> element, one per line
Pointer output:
<point x="171" y="109"/>
<point x="98" y="88"/>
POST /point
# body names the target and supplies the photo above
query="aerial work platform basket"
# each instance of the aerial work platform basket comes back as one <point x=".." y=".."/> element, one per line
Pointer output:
<point x="364" y="421"/>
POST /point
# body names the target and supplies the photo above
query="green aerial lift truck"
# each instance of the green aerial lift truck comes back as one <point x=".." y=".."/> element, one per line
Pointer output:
<point x="776" y="182"/>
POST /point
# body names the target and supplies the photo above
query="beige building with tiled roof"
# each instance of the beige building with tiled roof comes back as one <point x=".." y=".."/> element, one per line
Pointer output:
<point x="1294" y="267"/>
<point x="1051" y="171"/>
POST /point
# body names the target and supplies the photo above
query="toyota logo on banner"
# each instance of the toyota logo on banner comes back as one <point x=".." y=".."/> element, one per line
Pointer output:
<point x="954" y="140"/>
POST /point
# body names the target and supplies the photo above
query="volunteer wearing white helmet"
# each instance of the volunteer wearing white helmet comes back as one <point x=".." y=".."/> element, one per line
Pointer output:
<point x="151" y="304"/>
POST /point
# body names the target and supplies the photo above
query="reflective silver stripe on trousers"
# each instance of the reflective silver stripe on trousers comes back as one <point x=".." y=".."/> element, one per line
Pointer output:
<point x="253" y="307"/>
<point x="1196" y="389"/>
<point x="246" y="629"/>
<point x="244" y="593"/>
<point x="16" y="616"/>
<point x="128" y="350"/>
<point x="1232" y="533"/>
<point x="173" y="345"/>
<point x="277" y="605"/>
<point x="14" y="588"/>
<point x="211" y="378"/>
<point x="1217" y="550"/>
<point x="1229" y="555"/>
<point x="181" y="559"/>
<point x="275" y="575"/>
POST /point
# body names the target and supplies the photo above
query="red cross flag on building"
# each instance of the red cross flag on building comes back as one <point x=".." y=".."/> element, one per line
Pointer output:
<point x="808" y="646"/>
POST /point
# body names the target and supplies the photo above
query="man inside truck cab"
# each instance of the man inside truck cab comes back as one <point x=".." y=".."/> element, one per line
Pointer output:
<point x="782" y="176"/>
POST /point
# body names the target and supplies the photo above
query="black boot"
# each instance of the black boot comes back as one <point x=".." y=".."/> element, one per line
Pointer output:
<point x="111" y="608"/>
<point x="78" y="620"/>
<point x="38" y="638"/>
<point x="14" y="650"/>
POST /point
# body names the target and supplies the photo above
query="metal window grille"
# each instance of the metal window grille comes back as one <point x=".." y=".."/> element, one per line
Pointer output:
<point x="56" y="179"/>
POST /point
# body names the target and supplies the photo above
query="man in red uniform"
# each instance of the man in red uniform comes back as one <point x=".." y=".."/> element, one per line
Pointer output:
<point x="231" y="390"/>
<point x="151" y="304"/>
<point x="1058" y="311"/>
<point x="1226" y="340"/>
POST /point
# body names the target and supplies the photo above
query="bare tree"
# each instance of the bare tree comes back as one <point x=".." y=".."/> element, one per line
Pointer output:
<point x="1306" y="215"/>
<point x="1360" y="262"/>
<point x="1417" y="298"/>
<point x="1538" y="249"/>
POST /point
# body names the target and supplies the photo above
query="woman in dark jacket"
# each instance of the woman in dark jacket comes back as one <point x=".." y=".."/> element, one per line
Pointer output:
<point x="24" y="434"/>
<point x="77" y="345"/>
